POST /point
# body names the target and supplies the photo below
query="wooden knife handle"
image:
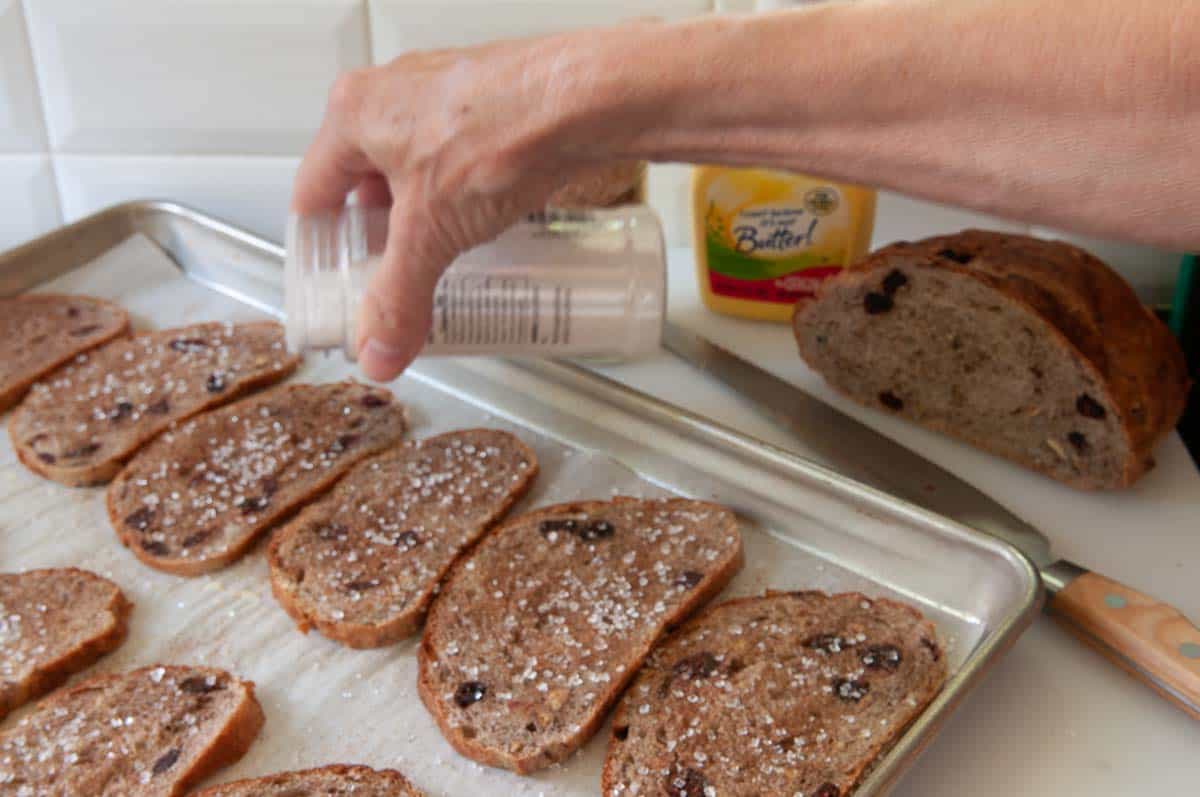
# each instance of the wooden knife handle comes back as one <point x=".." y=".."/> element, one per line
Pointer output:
<point x="1147" y="638"/>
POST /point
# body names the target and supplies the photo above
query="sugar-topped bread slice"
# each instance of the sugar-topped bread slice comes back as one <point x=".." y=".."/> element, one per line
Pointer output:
<point x="40" y="332"/>
<point x="153" y="732"/>
<point x="362" y="563"/>
<point x="196" y="498"/>
<point x="336" y="780"/>
<point x="791" y="693"/>
<point x="536" y="632"/>
<point x="53" y="624"/>
<point x="79" y="424"/>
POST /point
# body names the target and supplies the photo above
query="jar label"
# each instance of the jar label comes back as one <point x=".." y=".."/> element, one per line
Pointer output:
<point x="775" y="240"/>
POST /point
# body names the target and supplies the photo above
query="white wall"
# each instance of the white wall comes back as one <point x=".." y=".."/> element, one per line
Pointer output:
<point x="211" y="103"/>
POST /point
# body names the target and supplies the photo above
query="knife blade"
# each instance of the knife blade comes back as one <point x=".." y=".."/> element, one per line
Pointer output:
<point x="1144" y="636"/>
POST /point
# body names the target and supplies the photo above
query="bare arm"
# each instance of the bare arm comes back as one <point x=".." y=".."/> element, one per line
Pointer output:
<point x="1082" y="114"/>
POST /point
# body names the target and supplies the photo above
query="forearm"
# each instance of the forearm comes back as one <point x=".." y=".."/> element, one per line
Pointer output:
<point x="1082" y="114"/>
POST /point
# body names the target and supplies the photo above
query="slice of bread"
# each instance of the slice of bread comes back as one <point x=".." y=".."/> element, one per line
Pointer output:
<point x="40" y="332"/>
<point x="605" y="186"/>
<point x="54" y="623"/>
<point x="537" y="631"/>
<point x="153" y="732"/>
<point x="196" y="498"/>
<point x="336" y="780"/>
<point x="361" y="564"/>
<point x="791" y="693"/>
<point x="1030" y="349"/>
<point x="81" y="422"/>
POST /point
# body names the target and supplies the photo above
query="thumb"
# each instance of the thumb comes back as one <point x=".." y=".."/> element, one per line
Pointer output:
<point x="397" y="308"/>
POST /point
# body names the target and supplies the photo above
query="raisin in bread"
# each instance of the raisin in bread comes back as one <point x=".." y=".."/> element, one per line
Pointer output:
<point x="791" y="693"/>
<point x="153" y="732"/>
<point x="1030" y="349"/>
<point x="336" y="780"/>
<point x="537" y="631"/>
<point x="40" y="332"/>
<point x="362" y="563"/>
<point x="81" y="422"/>
<point x="54" y="623"/>
<point x="196" y="498"/>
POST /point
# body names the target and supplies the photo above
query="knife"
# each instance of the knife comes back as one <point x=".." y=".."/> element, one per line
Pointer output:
<point x="1146" y="637"/>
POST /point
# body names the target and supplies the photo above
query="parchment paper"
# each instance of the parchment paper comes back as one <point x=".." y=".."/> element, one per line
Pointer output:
<point x="324" y="703"/>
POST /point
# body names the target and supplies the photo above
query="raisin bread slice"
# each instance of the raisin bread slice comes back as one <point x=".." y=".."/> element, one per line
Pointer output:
<point x="196" y="498"/>
<point x="153" y="732"/>
<point x="53" y="624"/>
<point x="40" y="332"/>
<point x="1030" y="349"/>
<point x="791" y="693"/>
<point x="362" y="563"/>
<point x="537" y="631"/>
<point x="81" y="422"/>
<point x="336" y="780"/>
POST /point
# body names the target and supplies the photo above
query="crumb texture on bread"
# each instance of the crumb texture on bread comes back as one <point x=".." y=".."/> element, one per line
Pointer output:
<point x="152" y="732"/>
<point x="53" y="624"/>
<point x="611" y="184"/>
<point x="79" y="424"/>
<point x="1030" y="349"/>
<point x="336" y="780"/>
<point x="196" y="498"/>
<point x="536" y="632"/>
<point x="791" y="693"/>
<point x="361" y="564"/>
<point x="39" y="332"/>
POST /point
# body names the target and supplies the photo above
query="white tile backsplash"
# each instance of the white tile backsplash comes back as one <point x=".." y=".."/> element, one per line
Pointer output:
<point x="669" y="192"/>
<point x="398" y="26"/>
<point x="192" y="76"/>
<point x="21" y="128"/>
<point x="249" y="191"/>
<point x="29" y="202"/>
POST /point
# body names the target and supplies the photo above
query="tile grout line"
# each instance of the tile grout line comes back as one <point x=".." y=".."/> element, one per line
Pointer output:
<point x="48" y="151"/>
<point x="370" y="26"/>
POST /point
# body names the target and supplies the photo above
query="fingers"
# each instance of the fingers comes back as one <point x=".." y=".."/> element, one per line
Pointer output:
<point x="398" y="307"/>
<point x="373" y="191"/>
<point x="335" y="162"/>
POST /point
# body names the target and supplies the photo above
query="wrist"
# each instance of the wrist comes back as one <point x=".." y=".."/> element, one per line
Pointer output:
<point x="608" y="87"/>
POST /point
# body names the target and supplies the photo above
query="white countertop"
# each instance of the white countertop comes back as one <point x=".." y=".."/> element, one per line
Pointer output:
<point x="1052" y="717"/>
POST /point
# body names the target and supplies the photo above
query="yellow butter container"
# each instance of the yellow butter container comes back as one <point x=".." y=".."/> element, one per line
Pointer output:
<point x="765" y="239"/>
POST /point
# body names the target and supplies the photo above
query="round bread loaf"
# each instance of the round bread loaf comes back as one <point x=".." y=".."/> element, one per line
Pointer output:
<point x="1030" y="349"/>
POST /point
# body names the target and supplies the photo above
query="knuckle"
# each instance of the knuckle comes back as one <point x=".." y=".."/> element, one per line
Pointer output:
<point x="348" y="94"/>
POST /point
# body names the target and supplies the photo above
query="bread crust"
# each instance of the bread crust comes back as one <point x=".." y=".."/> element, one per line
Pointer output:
<point x="230" y="745"/>
<point x="1090" y="311"/>
<point x="11" y="391"/>
<point x="396" y="784"/>
<point x="51" y="674"/>
<point x="711" y="584"/>
<point x="407" y="622"/>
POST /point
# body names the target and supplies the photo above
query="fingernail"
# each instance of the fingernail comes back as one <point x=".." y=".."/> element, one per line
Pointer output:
<point x="380" y="361"/>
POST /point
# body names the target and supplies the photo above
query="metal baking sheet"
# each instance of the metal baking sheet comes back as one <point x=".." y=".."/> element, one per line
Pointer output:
<point x="805" y="527"/>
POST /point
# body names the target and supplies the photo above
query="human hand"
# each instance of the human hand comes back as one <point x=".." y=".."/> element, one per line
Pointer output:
<point x="461" y="144"/>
